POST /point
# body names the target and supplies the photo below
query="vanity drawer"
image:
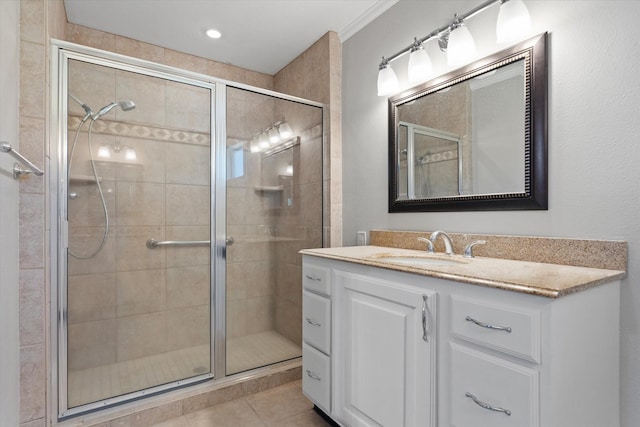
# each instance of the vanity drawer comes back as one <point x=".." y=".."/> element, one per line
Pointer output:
<point x="316" y="278"/>
<point x="510" y="329"/>
<point x="316" y="321"/>
<point x="497" y="384"/>
<point x="316" y="376"/>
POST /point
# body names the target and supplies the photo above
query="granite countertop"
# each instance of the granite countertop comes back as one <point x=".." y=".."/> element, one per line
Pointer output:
<point x="547" y="280"/>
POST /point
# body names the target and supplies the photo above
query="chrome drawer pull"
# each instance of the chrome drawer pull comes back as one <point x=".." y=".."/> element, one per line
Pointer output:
<point x="488" y="326"/>
<point x="424" y="318"/>
<point x="317" y="279"/>
<point x="313" y="376"/>
<point x="311" y="322"/>
<point x="484" y="405"/>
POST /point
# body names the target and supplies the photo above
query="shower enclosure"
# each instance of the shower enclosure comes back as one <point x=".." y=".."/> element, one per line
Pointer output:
<point x="178" y="207"/>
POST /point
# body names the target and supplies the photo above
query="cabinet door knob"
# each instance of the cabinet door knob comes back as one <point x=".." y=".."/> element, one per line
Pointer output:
<point x="485" y="405"/>
<point x="312" y="322"/>
<point x="488" y="326"/>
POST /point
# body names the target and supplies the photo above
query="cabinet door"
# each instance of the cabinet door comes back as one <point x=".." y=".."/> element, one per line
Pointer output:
<point x="385" y="358"/>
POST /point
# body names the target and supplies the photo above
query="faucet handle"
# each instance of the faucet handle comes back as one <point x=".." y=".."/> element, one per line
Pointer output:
<point x="428" y="242"/>
<point x="468" y="250"/>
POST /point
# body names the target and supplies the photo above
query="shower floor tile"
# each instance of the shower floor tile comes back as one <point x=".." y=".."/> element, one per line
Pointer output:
<point x="243" y="353"/>
<point x="261" y="349"/>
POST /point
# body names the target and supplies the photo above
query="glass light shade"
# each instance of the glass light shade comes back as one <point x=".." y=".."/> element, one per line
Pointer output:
<point x="513" y="23"/>
<point x="253" y="146"/>
<point x="419" y="65"/>
<point x="104" y="152"/>
<point x="285" y="130"/>
<point x="213" y="34"/>
<point x="274" y="136"/>
<point x="130" y="154"/>
<point x="290" y="170"/>
<point x="461" y="48"/>
<point x="387" y="81"/>
<point x="263" y="141"/>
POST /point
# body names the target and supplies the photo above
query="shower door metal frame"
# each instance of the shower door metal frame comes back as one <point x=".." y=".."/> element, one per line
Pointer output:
<point x="61" y="53"/>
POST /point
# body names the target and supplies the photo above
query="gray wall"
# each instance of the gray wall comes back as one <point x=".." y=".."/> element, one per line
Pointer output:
<point x="9" y="348"/>
<point x="594" y="142"/>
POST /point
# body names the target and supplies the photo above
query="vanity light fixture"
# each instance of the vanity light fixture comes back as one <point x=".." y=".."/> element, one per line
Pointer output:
<point x="274" y="135"/>
<point x="454" y="38"/>
<point x="419" y="63"/>
<point x="271" y="138"/>
<point x="213" y="34"/>
<point x="285" y="130"/>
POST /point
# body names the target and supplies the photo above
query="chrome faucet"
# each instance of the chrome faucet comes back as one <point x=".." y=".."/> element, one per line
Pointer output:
<point x="428" y="242"/>
<point x="448" y="247"/>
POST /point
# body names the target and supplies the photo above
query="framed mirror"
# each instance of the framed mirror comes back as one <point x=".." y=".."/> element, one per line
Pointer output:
<point x="473" y="139"/>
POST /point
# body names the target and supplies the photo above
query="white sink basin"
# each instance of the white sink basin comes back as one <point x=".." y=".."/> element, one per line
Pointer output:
<point x="418" y="261"/>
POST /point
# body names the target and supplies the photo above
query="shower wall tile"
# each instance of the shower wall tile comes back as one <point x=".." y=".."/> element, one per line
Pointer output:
<point x="31" y="306"/>
<point x="94" y="85"/>
<point x="31" y="231"/>
<point x="81" y="167"/>
<point x="86" y="209"/>
<point x="311" y="204"/>
<point x="32" y="138"/>
<point x="138" y="49"/>
<point x="132" y="252"/>
<point x="236" y="281"/>
<point x="91" y="37"/>
<point x="188" y="204"/>
<point x="32" y="383"/>
<point x="140" y="203"/>
<point x="32" y="78"/>
<point x="260" y="314"/>
<point x="188" y="286"/>
<point x="91" y="297"/>
<point x="84" y="241"/>
<point x="237" y="316"/>
<point x="146" y="92"/>
<point x="188" y="164"/>
<point x="141" y="292"/>
<point x="188" y="256"/>
<point x="150" y="160"/>
<point x="259" y="279"/>
<point x="188" y="107"/>
<point x="91" y="344"/>
<point x="185" y="61"/>
<point x="140" y="336"/>
<point x="188" y="327"/>
<point x="310" y="168"/>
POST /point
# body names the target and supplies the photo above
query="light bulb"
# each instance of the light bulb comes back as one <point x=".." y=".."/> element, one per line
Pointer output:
<point x="285" y="130"/>
<point x="461" y="48"/>
<point x="104" y="152"/>
<point x="387" y="81"/>
<point x="130" y="154"/>
<point x="263" y="141"/>
<point x="254" y="147"/>
<point x="513" y="23"/>
<point x="274" y="137"/>
<point x="213" y="34"/>
<point x="419" y="65"/>
<point x="290" y="170"/>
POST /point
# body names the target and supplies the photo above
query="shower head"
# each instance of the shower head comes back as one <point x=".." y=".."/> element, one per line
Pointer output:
<point x="125" y="105"/>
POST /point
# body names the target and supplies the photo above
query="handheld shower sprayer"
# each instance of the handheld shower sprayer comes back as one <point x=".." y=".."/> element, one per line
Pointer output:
<point x="124" y="105"/>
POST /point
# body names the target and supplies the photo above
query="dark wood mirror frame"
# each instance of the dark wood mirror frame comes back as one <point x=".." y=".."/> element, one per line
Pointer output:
<point x="535" y="195"/>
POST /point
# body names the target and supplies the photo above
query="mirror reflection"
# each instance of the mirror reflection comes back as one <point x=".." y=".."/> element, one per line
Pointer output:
<point x="474" y="139"/>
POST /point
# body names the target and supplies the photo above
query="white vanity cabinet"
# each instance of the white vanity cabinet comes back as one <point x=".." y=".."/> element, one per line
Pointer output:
<point x="414" y="350"/>
<point x="383" y="357"/>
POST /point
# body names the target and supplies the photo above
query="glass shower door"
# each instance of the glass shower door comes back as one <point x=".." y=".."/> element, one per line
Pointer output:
<point x="274" y="182"/>
<point x="137" y="288"/>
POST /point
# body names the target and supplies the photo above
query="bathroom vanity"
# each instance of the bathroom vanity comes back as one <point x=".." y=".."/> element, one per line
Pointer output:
<point x="397" y="337"/>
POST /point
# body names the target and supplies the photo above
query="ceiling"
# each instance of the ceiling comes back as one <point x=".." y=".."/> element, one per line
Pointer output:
<point x="259" y="35"/>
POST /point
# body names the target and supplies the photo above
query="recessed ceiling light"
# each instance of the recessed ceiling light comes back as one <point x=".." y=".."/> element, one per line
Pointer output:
<point x="214" y="34"/>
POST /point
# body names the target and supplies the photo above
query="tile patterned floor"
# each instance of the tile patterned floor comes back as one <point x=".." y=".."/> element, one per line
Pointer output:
<point x="244" y="353"/>
<point x="283" y="406"/>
